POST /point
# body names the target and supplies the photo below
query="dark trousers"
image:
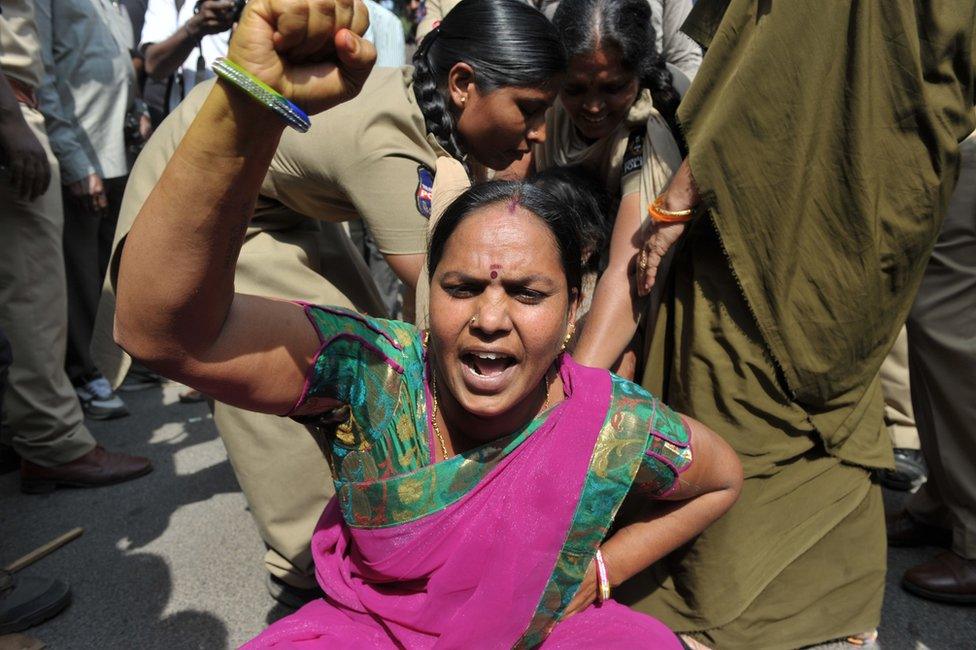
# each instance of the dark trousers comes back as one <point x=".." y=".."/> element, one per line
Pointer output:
<point x="87" y="247"/>
<point x="6" y="358"/>
<point x="942" y="360"/>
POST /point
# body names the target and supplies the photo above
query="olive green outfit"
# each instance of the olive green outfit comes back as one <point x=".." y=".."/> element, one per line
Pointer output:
<point x="360" y="160"/>
<point x="824" y="145"/>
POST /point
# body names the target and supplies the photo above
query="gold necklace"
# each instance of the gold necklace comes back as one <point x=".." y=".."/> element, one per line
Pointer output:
<point x="433" y="418"/>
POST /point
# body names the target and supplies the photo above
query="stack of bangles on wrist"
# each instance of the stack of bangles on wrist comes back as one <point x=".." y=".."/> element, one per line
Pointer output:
<point x="659" y="215"/>
<point x="262" y="93"/>
<point x="602" y="579"/>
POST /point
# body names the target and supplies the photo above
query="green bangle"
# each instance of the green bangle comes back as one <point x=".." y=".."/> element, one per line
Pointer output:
<point x="264" y="94"/>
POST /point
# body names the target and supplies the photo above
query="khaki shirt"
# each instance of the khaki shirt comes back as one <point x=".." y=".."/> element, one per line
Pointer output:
<point x="20" y="47"/>
<point x="641" y="155"/>
<point x="369" y="158"/>
<point x="362" y="159"/>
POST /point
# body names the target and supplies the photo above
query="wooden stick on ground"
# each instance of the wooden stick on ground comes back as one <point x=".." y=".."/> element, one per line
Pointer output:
<point x="44" y="550"/>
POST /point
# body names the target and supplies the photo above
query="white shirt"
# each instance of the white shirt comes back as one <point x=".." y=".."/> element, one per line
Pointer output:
<point x="162" y="20"/>
<point x="386" y="33"/>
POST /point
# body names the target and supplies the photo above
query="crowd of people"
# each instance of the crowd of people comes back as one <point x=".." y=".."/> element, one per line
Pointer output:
<point x="600" y="324"/>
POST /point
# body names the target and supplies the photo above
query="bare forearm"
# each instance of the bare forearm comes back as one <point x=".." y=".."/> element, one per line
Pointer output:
<point x="176" y="280"/>
<point x="163" y="58"/>
<point x="702" y="494"/>
<point x="640" y="544"/>
<point x="612" y="320"/>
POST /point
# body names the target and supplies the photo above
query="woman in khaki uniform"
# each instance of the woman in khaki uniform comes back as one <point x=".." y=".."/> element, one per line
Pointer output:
<point x="614" y="119"/>
<point x="477" y="94"/>
<point x="437" y="9"/>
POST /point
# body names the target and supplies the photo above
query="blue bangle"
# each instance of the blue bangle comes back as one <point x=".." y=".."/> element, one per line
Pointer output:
<point x="264" y="94"/>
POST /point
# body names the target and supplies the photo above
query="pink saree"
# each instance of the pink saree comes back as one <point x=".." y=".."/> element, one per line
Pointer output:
<point x="485" y="549"/>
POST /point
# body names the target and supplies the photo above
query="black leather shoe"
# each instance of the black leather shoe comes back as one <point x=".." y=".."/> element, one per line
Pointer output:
<point x="96" y="468"/>
<point x="947" y="578"/>
<point x="910" y="471"/>
<point x="904" y="531"/>
<point x="26" y="601"/>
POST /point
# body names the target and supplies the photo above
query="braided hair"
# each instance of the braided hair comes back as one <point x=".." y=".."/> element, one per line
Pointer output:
<point x="586" y="26"/>
<point x="506" y="43"/>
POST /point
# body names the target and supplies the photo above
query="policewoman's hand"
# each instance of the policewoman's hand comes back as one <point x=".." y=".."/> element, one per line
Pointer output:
<point x="311" y="51"/>
<point x="681" y="194"/>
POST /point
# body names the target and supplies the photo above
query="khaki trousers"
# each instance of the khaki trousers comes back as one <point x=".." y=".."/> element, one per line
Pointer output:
<point x="45" y="424"/>
<point x="280" y="468"/>
<point x="899" y="416"/>
<point x="942" y="349"/>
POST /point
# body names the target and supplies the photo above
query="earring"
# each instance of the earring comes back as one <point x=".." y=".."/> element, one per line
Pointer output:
<point x="569" y="337"/>
<point x="464" y="98"/>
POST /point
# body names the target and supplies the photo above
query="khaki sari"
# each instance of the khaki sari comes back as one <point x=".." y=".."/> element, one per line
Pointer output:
<point x="824" y="143"/>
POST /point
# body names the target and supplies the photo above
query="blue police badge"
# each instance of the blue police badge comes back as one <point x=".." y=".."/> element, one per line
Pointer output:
<point x="634" y="154"/>
<point x="425" y="190"/>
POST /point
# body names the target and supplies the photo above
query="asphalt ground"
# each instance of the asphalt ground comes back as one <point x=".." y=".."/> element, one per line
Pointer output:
<point x="173" y="560"/>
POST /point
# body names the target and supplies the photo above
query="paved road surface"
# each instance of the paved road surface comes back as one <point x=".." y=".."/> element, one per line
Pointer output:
<point x="172" y="560"/>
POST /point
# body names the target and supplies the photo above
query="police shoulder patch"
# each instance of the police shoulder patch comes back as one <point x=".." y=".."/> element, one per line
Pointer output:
<point x="634" y="154"/>
<point x="425" y="190"/>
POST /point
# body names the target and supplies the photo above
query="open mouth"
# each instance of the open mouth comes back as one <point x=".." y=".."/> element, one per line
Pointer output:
<point x="589" y="119"/>
<point x="487" y="364"/>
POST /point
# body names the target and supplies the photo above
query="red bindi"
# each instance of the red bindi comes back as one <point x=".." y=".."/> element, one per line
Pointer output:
<point x="494" y="275"/>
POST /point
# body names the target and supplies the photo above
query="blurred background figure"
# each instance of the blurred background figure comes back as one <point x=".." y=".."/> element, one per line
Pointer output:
<point x="180" y="40"/>
<point x="414" y="14"/>
<point x="942" y="359"/>
<point x="899" y="418"/>
<point x="667" y="16"/>
<point x="87" y="90"/>
<point x="42" y="419"/>
<point x="675" y="46"/>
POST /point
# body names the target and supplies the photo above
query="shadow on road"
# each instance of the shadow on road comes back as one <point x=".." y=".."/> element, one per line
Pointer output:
<point x="122" y="585"/>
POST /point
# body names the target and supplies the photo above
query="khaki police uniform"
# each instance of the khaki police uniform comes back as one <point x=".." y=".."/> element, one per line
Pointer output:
<point x="369" y="159"/>
<point x="899" y="416"/>
<point x="44" y="421"/>
<point x="640" y="157"/>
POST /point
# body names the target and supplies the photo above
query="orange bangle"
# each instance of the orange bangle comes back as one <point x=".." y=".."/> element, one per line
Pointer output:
<point x="658" y="214"/>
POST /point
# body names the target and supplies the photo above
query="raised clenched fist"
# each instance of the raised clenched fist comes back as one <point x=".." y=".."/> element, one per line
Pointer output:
<point x="311" y="51"/>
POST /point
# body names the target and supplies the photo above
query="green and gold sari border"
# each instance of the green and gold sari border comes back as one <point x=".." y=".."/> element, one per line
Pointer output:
<point x="617" y="455"/>
<point x="430" y="489"/>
